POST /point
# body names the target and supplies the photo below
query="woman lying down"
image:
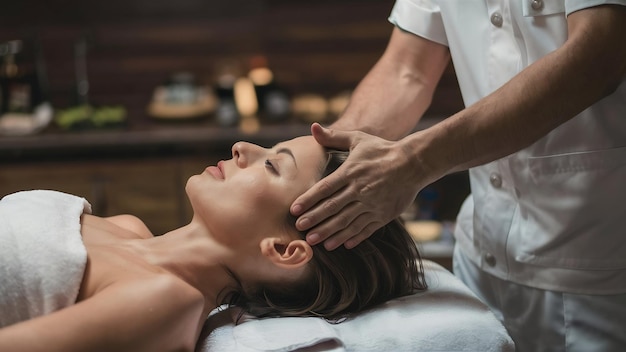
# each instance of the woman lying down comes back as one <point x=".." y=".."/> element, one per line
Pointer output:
<point x="70" y="281"/>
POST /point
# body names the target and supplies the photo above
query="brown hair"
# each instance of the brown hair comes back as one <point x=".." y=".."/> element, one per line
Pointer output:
<point x="387" y="265"/>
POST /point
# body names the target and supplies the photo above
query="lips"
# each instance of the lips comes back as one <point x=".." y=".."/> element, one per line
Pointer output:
<point x="216" y="171"/>
<point x="220" y="166"/>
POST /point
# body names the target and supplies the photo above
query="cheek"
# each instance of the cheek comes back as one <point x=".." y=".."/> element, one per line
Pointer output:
<point x="263" y="207"/>
<point x="262" y="203"/>
<point x="243" y="206"/>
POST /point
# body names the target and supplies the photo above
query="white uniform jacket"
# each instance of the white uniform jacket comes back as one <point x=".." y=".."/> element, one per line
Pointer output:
<point x="553" y="215"/>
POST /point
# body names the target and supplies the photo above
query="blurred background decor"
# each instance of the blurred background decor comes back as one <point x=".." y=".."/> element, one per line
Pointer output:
<point x="116" y="53"/>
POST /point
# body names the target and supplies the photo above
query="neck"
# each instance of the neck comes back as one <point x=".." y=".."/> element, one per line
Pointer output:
<point x="192" y="255"/>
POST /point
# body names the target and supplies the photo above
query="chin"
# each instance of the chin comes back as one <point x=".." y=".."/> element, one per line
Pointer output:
<point x="189" y="187"/>
<point x="193" y="190"/>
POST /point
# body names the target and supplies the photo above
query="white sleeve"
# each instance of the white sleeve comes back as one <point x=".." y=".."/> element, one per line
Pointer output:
<point x="420" y="17"/>
<point x="575" y="5"/>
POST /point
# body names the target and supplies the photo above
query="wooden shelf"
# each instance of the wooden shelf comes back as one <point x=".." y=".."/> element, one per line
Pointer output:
<point x="155" y="138"/>
<point x="103" y="142"/>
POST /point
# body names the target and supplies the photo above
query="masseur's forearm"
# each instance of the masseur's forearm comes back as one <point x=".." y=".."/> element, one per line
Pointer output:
<point x="589" y="66"/>
<point x="393" y="96"/>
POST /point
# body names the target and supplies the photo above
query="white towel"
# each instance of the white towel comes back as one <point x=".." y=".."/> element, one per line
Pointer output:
<point x="446" y="317"/>
<point x="42" y="256"/>
<point x="270" y="334"/>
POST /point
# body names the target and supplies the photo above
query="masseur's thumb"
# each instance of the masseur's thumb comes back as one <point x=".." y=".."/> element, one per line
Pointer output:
<point x="341" y="140"/>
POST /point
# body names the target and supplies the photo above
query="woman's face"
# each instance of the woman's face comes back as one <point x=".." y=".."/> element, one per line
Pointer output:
<point x="250" y="194"/>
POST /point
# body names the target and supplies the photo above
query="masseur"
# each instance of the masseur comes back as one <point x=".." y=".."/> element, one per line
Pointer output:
<point x="541" y="237"/>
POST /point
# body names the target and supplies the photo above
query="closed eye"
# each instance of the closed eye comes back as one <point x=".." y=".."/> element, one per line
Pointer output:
<point x="270" y="166"/>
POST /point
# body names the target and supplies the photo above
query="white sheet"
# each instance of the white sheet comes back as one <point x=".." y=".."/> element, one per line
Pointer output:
<point x="447" y="317"/>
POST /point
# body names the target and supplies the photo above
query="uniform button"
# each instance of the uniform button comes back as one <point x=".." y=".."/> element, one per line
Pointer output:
<point x="496" y="19"/>
<point x="537" y="5"/>
<point x="495" y="180"/>
<point x="490" y="259"/>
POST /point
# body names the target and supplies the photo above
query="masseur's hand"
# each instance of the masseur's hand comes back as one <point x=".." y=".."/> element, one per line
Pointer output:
<point x="372" y="187"/>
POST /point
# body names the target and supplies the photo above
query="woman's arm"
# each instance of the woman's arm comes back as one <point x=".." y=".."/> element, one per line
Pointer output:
<point x="159" y="313"/>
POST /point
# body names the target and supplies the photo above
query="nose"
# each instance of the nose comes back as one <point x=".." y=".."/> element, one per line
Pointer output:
<point x="245" y="153"/>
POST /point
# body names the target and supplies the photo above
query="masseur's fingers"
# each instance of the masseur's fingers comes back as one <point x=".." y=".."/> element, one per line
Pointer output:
<point x="372" y="187"/>
<point x="325" y="187"/>
<point x="360" y="229"/>
<point x="341" y="140"/>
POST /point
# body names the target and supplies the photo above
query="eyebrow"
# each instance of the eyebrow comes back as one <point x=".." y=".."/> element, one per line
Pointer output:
<point x="288" y="152"/>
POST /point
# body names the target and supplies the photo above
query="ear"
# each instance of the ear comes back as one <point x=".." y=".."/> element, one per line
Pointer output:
<point x="286" y="253"/>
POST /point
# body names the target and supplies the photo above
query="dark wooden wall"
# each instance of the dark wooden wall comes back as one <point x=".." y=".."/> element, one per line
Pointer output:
<point x="322" y="46"/>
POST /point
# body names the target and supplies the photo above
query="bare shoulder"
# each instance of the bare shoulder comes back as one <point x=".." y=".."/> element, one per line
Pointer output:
<point x="131" y="223"/>
<point x="164" y="293"/>
<point x="159" y="312"/>
<point x="164" y="286"/>
<point x="168" y="308"/>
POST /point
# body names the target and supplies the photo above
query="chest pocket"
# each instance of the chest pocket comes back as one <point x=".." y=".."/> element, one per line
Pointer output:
<point x="534" y="8"/>
<point x="574" y="218"/>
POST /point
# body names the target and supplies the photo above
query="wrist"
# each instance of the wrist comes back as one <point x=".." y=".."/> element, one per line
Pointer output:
<point x="425" y="163"/>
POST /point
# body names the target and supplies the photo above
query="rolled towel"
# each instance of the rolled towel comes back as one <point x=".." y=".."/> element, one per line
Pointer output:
<point x="42" y="255"/>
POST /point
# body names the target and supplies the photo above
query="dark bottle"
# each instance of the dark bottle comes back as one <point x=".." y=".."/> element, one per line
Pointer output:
<point x="19" y="84"/>
<point x="226" y="112"/>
